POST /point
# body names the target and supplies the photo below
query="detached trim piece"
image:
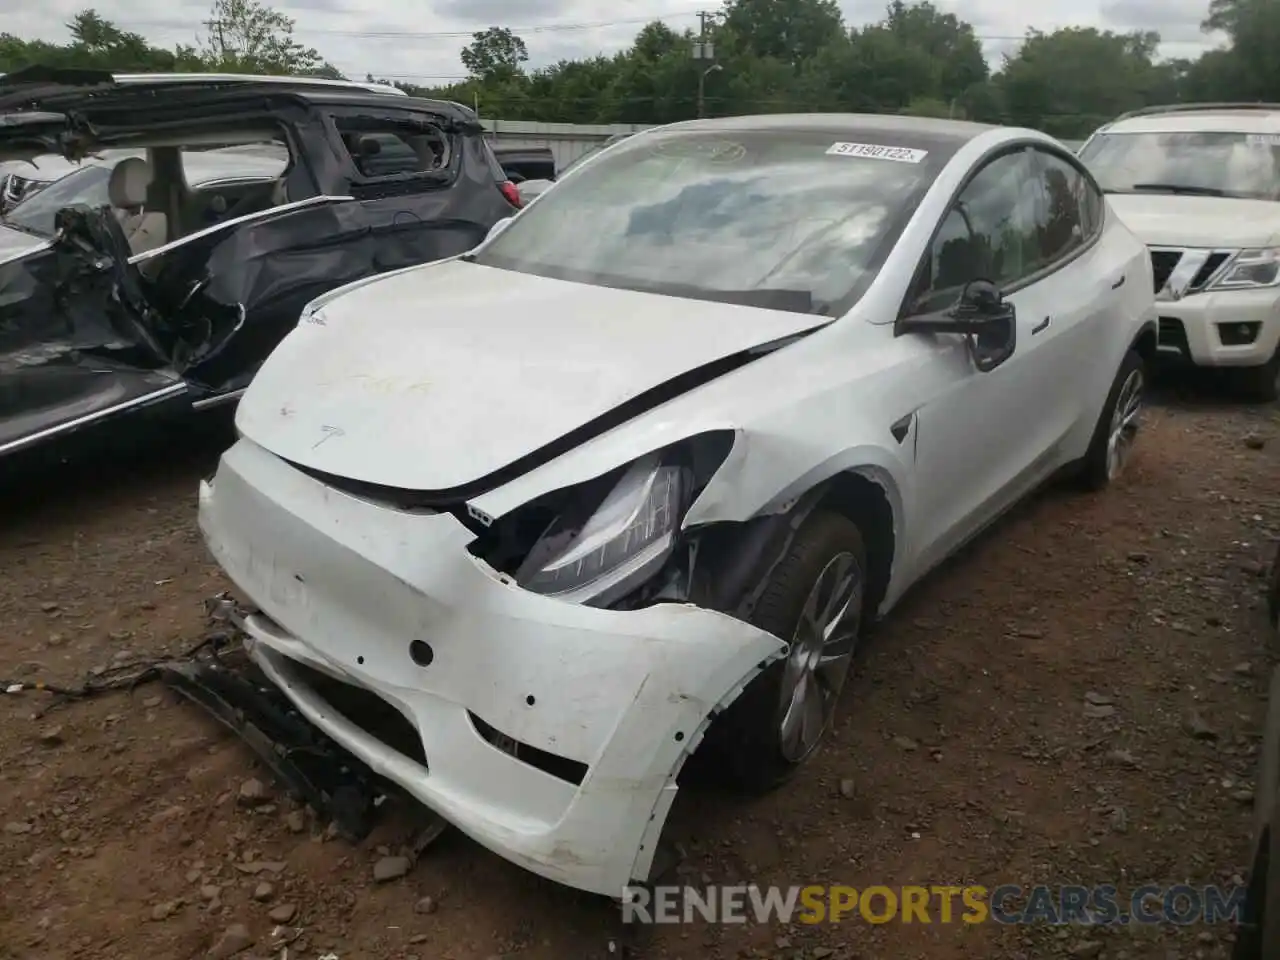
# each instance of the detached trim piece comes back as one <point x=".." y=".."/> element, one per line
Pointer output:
<point x="49" y="432"/>
<point x="209" y="403"/>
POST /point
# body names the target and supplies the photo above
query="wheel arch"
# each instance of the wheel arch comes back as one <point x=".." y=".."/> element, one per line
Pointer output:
<point x="737" y="557"/>
<point x="1145" y="343"/>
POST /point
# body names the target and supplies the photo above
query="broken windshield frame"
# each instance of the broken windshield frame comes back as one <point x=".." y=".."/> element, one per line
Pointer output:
<point x="749" y="217"/>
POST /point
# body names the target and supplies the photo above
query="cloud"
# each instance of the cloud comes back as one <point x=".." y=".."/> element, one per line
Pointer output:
<point x="421" y="42"/>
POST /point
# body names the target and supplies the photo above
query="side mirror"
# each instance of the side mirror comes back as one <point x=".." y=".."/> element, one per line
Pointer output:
<point x="497" y="228"/>
<point x="981" y="315"/>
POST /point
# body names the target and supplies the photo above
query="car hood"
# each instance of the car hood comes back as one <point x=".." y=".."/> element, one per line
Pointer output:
<point x="437" y="377"/>
<point x="17" y="243"/>
<point x="1167" y="220"/>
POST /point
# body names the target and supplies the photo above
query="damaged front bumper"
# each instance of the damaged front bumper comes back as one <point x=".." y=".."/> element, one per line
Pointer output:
<point x="549" y="732"/>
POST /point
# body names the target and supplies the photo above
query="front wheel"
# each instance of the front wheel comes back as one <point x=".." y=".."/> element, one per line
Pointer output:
<point x="814" y="601"/>
<point x="1117" y="427"/>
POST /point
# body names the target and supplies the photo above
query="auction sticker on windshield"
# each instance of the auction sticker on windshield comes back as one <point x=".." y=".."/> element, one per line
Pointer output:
<point x="875" y="151"/>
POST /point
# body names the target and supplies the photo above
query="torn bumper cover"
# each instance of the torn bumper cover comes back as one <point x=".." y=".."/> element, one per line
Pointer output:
<point x="549" y="732"/>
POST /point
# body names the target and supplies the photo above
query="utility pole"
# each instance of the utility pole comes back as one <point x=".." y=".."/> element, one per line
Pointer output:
<point x="704" y="52"/>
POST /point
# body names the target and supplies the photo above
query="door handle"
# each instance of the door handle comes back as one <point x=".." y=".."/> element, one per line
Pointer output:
<point x="1120" y="283"/>
<point x="1041" y="326"/>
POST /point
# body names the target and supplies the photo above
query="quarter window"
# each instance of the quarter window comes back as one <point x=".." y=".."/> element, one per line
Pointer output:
<point x="1065" y="228"/>
<point x="388" y="149"/>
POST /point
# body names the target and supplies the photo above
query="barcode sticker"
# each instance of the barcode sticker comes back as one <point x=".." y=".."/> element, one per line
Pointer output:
<point x="875" y="151"/>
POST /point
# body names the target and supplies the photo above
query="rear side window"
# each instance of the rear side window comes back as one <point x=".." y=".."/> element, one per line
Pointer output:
<point x="381" y="148"/>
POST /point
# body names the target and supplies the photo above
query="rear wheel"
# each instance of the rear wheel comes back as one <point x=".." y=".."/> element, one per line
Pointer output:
<point x="1117" y="427"/>
<point x="814" y="600"/>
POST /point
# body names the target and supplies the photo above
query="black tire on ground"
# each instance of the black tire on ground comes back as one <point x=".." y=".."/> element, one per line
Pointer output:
<point x="1259" y="384"/>
<point x="1092" y="469"/>
<point x="746" y="740"/>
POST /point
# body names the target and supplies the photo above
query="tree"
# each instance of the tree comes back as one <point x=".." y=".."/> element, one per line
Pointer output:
<point x="1253" y="31"/>
<point x="246" y="36"/>
<point x="495" y="55"/>
<point x="1071" y="81"/>
<point x="947" y="40"/>
<point x="788" y="30"/>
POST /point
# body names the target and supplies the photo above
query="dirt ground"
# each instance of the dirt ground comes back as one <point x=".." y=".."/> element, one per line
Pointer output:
<point x="965" y="750"/>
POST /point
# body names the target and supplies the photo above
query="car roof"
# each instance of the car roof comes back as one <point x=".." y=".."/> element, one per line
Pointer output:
<point x="924" y="131"/>
<point x="1190" y="118"/>
<point x="53" y="89"/>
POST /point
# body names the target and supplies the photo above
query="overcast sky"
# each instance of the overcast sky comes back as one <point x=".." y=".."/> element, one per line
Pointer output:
<point x="419" y="41"/>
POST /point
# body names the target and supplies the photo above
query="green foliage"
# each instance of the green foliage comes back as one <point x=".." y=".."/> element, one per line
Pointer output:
<point x="774" y="55"/>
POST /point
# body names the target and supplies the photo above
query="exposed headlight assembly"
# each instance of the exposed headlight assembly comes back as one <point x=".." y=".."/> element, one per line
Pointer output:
<point x="1250" y="269"/>
<point x="600" y="541"/>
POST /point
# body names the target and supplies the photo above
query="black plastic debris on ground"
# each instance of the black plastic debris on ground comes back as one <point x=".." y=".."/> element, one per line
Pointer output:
<point x="313" y="767"/>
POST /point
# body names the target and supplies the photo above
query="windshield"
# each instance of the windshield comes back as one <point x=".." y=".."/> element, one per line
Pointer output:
<point x="1214" y="163"/>
<point x="769" y="219"/>
<point x="87" y="185"/>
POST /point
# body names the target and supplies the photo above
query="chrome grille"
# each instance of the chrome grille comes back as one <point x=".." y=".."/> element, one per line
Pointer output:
<point x="1179" y="271"/>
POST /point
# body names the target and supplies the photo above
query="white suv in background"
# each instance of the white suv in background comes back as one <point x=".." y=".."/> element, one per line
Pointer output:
<point x="1200" y="185"/>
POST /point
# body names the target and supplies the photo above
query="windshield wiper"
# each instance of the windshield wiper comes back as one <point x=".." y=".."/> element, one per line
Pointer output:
<point x="1182" y="189"/>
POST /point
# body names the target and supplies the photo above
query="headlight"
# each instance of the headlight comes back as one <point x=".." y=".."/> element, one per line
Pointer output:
<point x="603" y="540"/>
<point x="1250" y="269"/>
<point x="627" y="538"/>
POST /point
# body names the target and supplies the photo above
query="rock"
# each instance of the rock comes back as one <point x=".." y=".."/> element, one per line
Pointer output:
<point x="1119" y="820"/>
<point x="253" y="793"/>
<point x="1243" y="796"/>
<point x="1137" y="556"/>
<point x="1097" y="699"/>
<point x="848" y="788"/>
<point x="821" y="953"/>
<point x="1195" y="726"/>
<point x="296" y="821"/>
<point x="49" y="607"/>
<point x="1096" y="711"/>
<point x="17" y="827"/>
<point x="163" y="911"/>
<point x="418" y="938"/>
<point x="425" y="905"/>
<point x="1085" y="949"/>
<point x="1029" y="633"/>
<point x="1244" y="669"/>
<point x="1123" y="758"/>
<point x="210" y="892"/>
<point x="235" y="939"/>
<point x="52" y="736"/>
<point x="1254" y="442"/>
<point x="263" y="892"/>
<point x="151" y="703"/>
<point x="390" y="868"/>
<point x="905" y="743"/>
<point x="283" y="913"/>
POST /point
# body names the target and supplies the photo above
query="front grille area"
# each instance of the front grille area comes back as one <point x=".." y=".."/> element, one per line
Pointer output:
<point x="1165" y="260"/>
<point x="1163" y="263"/>
<point x="1171" y="335"/>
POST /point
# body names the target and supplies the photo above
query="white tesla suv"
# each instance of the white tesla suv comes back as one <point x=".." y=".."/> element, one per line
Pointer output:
<point x="575" y="499"/>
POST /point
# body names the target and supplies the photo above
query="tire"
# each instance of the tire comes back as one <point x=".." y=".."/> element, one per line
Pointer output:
<point x="1259" y="384"/>
<point x="747" y="742"/>
<point x="1095" y="470"/>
